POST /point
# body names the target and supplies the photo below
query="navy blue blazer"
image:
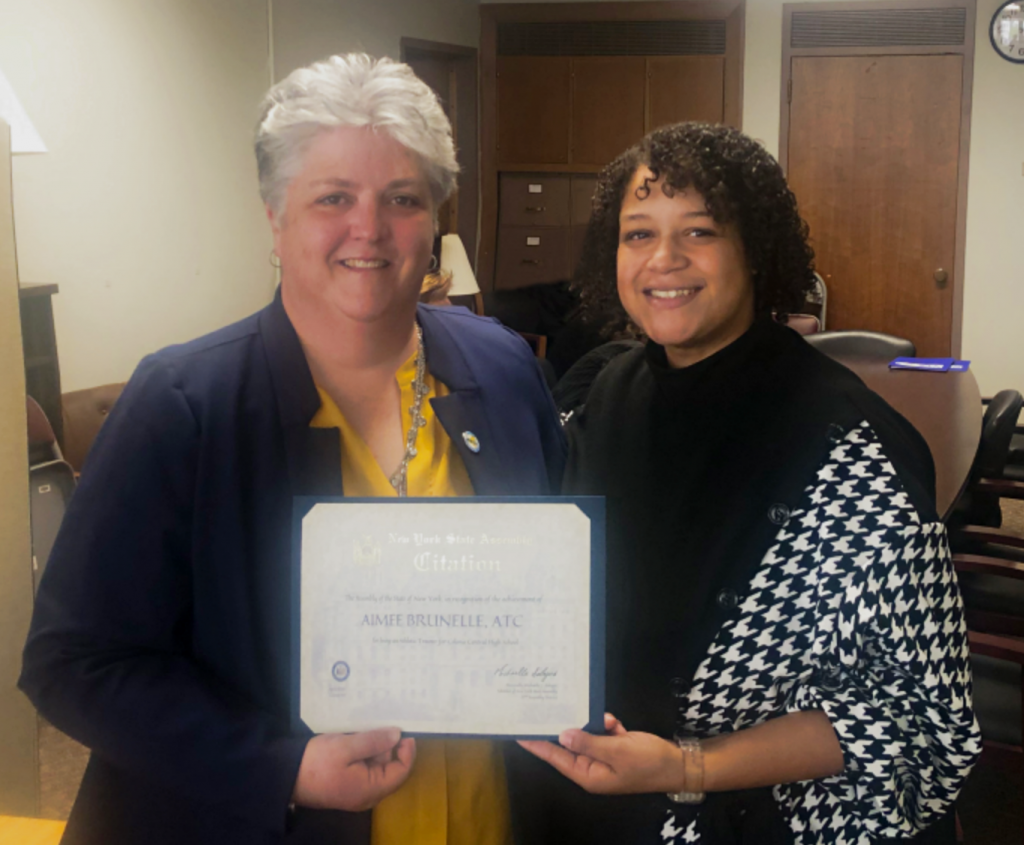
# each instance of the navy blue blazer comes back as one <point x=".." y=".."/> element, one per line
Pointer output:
<point x="161" y="631"/>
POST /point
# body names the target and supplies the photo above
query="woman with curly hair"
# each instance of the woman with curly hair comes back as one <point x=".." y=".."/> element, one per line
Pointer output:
<point x="786" y="638"/>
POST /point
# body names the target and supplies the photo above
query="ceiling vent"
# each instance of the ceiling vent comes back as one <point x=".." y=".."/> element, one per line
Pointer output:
<point x="613" y="38"/>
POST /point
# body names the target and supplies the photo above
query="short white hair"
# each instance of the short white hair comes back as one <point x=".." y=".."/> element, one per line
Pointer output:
<point x="353" y="90"/>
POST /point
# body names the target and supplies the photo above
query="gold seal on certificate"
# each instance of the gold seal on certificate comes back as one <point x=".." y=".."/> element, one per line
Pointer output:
<point x="467" y="616"/>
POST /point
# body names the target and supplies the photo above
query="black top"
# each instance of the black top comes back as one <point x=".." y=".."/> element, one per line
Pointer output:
<point x="692" y="460"/>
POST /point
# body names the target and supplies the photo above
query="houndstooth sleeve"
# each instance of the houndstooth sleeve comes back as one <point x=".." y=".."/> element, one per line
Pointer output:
<point x="889" y="654"/>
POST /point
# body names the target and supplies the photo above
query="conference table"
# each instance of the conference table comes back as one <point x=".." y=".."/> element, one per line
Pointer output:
<point x="944" y="407"/>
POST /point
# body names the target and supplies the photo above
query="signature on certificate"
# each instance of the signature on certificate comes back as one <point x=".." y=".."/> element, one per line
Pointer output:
<point x="540" y="672"/>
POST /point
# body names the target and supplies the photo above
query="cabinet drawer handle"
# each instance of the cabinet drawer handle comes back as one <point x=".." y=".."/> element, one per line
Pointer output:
<point x="534" y="209"/>
<point x="530" y="261"/>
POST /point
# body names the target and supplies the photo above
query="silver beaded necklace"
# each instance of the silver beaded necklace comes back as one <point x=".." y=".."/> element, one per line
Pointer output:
<point x="399" y="479"/>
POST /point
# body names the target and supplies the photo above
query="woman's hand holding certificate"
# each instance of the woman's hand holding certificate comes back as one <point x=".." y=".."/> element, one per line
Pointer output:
<point x="623" y="762"/>
<point x="353" y="771"/>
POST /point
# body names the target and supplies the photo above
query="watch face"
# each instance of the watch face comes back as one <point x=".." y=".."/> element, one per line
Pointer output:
<point x="1007" y="31"/>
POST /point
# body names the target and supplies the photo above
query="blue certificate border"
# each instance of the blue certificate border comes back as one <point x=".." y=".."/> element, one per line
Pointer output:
<point x="592" y="506"/>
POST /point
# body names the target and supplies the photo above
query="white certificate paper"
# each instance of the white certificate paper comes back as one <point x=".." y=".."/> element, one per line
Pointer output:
<point x="455" y="617"/>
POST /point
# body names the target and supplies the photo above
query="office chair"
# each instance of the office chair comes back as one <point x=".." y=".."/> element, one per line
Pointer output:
<point x="862" y="344"/>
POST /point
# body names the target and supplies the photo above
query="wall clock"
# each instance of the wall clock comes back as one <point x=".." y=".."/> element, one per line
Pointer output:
<point x="1007" y="31"/>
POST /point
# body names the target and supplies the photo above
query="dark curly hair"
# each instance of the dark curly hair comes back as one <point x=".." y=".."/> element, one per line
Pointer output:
<point x="741" y="183"/>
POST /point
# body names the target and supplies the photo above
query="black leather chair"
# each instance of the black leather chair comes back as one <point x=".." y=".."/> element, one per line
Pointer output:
<point x="983" y="551"/>
<point x="990" y="568"/>
<point x="996" y="638"/>
<point x="1014" y="468"/>
<point x="861" y="344"/>
<point x="979" y="504"/>
<point x="1015" y="461"/>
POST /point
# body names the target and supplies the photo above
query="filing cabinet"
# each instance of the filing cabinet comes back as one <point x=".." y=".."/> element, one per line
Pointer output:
<point x="541" y="221"/>
<point x="581" y="193"/>
<point x="534" y="200"/>
<point x="532" y="256"/>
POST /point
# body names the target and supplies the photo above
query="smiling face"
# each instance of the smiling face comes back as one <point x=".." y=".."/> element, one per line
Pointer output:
<point x="355" y="236"/>
<point x="682" y="277"/>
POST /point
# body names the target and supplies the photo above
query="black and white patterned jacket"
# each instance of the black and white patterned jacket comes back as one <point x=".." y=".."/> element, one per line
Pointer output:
<point x="773" y="547"/>
<point x="853" y="611"/>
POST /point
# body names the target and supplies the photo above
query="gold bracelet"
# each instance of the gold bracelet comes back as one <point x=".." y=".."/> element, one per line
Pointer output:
<point x="693" y="771"/>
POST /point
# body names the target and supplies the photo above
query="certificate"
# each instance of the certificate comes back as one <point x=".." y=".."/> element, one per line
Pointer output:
<point x="463" y="617"/>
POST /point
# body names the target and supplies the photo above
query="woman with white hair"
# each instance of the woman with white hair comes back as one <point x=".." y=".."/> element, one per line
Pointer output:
<point x="161" y="636"/>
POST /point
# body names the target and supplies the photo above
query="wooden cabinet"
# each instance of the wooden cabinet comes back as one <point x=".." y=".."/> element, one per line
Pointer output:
<point x="607" y="106"/>
<point x="685" y="88"/>
<point x="567" y="87"/>
<point x="533" y="109"/>
<point x="582" y="193"/>
<point x="581" y="198"/>
<point x="583" y="111"/>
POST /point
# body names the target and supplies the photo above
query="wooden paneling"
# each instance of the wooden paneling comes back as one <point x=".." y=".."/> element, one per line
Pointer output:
<point x="576" y="236"/>
<point x="685" y="88"/>
<point x="607" y="106"/>
<point x="735" y="25"/>
<point x="451" y="71"/>
<point x="873" y="152"/>
<point x="533" y="109"/>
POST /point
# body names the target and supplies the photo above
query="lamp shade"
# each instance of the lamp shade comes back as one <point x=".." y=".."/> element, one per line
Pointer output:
<point x="24" y="138"/>
<point x="455" y="260"/>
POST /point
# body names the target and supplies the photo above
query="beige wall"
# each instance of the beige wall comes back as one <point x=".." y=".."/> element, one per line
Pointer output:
<point x="307" y="30"/>
<point x="994" y="290"/>
<point x="18" y="782"/>
<point x="145" y="210"/>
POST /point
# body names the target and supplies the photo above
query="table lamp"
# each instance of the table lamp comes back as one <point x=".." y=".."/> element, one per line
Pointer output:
<point x="24" y="137"/>
<point x="455" y="260"/>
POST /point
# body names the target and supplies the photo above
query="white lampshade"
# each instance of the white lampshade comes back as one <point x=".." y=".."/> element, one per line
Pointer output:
<point x="24" y="138"/>
<point x="454" y="259"/>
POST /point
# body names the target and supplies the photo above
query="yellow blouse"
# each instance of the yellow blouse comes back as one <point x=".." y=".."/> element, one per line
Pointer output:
<point x="456" y="794"/>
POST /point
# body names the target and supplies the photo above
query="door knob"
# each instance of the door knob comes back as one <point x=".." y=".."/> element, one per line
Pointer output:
<point x="941" y="277"/>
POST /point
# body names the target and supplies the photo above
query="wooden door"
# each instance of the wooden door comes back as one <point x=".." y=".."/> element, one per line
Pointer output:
<point x="685" y="88"/>
<point x="533" y="109"/>
<point x="873" y="158"/>
<point x="450" y="70"/>
<point x="439" y="73"/>
<point x="607" y="106"/>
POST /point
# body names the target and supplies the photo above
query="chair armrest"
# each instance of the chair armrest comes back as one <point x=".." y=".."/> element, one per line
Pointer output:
<point x="992" y="645"/>
<point x="1001" y="487"/>
<point x="984" y="534"/>
<point x="988" y="565"/>
<point x="538" y="343"/>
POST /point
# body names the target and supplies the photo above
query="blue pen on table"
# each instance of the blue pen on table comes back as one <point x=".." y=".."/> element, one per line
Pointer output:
<point x="933" y="365"/>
